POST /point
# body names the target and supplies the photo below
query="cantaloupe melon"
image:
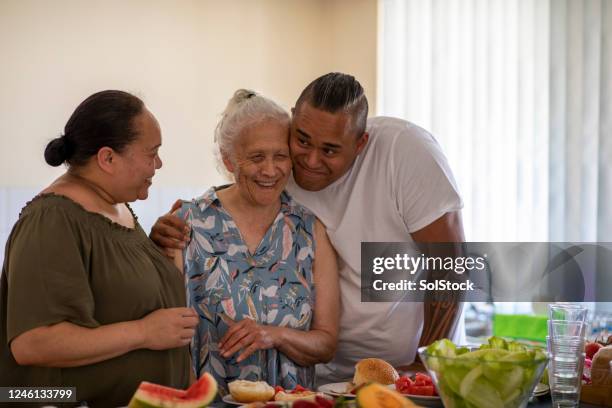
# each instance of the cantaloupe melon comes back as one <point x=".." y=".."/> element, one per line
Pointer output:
<point x="379" y="396"/>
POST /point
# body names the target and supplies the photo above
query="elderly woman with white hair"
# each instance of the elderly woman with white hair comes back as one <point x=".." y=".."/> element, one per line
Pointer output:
<point x="259" y="268"/>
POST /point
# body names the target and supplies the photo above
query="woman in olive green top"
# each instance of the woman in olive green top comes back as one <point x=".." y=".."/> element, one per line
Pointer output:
<point x="87" y="300"/>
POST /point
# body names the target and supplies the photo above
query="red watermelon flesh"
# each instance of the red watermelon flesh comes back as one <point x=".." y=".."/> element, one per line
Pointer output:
<point x="199" y="395"/>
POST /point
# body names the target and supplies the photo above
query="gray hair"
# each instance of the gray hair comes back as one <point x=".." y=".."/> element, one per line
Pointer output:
<point x="245" y="109"/>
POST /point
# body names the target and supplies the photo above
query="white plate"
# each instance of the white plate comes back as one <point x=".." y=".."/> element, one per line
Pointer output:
<point x="228" y="399"/>
<point x="541" y="389"/>
<point x="339" y="390"/>
<point x="412" y="396"/>
<point x="336" y="389"/>
<point x="424" y="400"/>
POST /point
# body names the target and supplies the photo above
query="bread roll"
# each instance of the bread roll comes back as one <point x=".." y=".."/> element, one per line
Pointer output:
<point x="250" y="391"/>
<point x="374" y="370"/>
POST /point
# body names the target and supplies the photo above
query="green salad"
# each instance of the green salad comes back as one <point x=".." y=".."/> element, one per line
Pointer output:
<point x="498" y="374"/>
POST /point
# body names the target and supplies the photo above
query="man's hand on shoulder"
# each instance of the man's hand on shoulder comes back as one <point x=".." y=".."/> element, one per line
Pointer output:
<point x="170" y="232"/>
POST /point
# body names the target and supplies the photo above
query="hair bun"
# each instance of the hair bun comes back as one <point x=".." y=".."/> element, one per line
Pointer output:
<point x="56" y="152"/>
<point x="238" y="98"/>
<point x="242" y="95"/>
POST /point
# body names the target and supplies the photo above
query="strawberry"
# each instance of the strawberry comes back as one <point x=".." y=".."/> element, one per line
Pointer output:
<point x="298" y="388"/>
<point x="304" y="404"/>
<point x="591" y="348"/>
<point x="324" y="402"/>
<point x="424" y="378"/>
<point x="427" y="390"/>
<point x="403" y="384"/>
<point x="419" y="382"/>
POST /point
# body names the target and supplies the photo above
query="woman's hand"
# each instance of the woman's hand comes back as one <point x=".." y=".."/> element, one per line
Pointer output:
<point x="318" y="344"/>
<point x="168" y="328"/>
<point x="68" y="345"/>
<point x="248" y="336"/>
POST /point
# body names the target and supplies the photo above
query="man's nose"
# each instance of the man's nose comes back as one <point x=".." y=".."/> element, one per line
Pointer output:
<point x="313" y="160"/>
<point x="158" y="163"/>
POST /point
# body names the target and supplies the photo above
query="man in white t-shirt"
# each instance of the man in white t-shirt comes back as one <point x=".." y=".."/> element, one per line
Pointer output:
<point x="383" y="180"/>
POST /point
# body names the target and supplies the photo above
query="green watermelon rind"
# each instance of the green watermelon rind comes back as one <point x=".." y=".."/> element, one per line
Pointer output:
<point x="146" y="396"/>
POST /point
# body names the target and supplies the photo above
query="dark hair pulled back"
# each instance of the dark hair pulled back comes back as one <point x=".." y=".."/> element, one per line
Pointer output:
<point x="105" y="119"/>
<point x="337" y="92"/>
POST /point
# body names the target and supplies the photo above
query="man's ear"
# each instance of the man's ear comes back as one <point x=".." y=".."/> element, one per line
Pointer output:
<point x="106" y="158"/>
<point x="362" y="141"/>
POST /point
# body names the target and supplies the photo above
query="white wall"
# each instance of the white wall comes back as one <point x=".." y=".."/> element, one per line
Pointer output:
<point x="184" y="58"/>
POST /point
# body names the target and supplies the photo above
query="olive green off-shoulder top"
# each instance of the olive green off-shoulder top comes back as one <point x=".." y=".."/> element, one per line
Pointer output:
<point x="63" y="263"/>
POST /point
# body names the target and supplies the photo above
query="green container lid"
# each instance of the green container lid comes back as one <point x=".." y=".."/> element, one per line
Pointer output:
<point x="526" y="327"/>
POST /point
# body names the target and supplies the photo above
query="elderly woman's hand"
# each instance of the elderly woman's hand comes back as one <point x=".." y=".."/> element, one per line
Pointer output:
<point x="249" y="336"/>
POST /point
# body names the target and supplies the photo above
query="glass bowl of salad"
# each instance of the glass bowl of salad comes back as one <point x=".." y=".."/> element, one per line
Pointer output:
<point x="498" y="374"/>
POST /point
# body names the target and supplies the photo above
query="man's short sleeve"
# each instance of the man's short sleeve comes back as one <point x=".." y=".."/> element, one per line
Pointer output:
<point x="48" y="280"/>
<point x="423" y="184"/>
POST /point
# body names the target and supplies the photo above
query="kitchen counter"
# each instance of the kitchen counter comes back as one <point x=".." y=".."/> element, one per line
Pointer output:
<point x="546" y="402"/>
<point x="543" y="402"/>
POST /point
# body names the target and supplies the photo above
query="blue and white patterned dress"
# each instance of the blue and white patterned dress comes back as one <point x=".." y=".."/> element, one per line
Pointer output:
<point x="225" y="284"/>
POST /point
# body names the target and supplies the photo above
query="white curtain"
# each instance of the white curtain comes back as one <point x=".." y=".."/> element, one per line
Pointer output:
<point x="519" y="94"/>
<point x="581" y="120"/>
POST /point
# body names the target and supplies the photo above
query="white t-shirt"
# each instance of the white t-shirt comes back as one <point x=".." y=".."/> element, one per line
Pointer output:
<point x="400" y="183"/>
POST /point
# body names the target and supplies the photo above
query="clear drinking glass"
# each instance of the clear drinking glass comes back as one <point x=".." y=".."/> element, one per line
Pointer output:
<point x="567" y="311"/>
<point x="566" y="329"/>
<point x="565" y="378"/>
<point x="564" y="346"/>
<point x="565" y="341"/>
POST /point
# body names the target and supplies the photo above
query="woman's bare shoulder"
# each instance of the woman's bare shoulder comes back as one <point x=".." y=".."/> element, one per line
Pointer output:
<point x="77" y="193"/>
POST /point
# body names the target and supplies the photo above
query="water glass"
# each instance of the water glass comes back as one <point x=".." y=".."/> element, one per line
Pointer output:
<point x="567" y="311"/>
<point x="565" y="342"/>
<point x="564" y="346"/>
<point x="565" y="378"/>
<point x="564" y="329"/>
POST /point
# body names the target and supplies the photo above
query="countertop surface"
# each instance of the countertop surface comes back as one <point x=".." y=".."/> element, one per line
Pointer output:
<point x="545" y="402"/>
<point x="542" y="402"/>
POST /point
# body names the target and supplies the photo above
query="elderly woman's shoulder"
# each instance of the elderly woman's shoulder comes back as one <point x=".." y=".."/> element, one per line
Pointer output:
<point x="295" y="207"/>
<point x="201" y="202"/>
<point x="198" y="207"/>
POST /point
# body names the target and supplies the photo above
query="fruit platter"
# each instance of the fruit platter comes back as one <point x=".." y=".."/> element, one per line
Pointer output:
<point x="497" y="374"/>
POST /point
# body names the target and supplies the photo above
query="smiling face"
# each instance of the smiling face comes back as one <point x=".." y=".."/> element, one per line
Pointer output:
<point x="137" y="163"/>
<point x="260" y="162"/>
<point x="323" y="146"/>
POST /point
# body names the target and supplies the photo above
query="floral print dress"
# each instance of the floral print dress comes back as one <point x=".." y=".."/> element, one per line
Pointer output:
<point x="226" y="283"/>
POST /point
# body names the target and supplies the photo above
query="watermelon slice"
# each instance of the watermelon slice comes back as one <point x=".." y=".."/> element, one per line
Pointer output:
<point x="200" y="394"/>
